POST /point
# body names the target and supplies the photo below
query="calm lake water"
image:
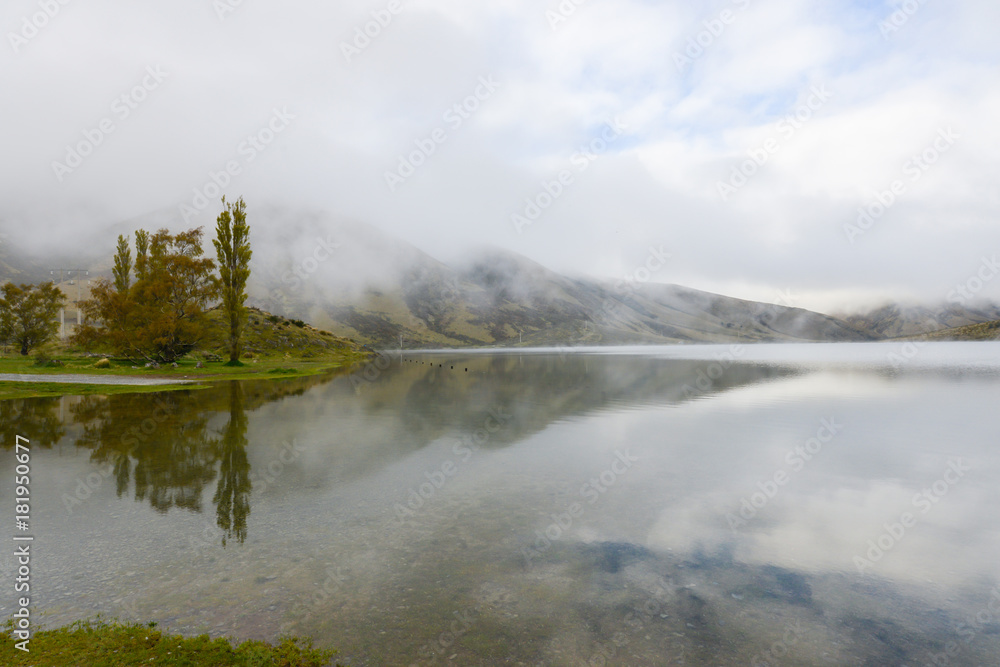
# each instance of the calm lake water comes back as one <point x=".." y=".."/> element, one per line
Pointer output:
<point x="697" y="505"/>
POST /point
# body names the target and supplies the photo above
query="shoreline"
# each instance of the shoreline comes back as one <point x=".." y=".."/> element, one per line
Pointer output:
<point x="19" y="378"/>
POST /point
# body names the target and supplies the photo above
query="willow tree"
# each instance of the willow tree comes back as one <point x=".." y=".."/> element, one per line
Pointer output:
<point x="161" y="316"/>
<point x="232" y="247"/>
<point x="28" y="314"/>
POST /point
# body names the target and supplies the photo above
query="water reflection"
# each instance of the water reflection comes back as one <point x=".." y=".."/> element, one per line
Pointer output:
<point x="232" y="495"/>
<point x="305" y="477"/>
<point x="36" y="419"/>
<point x="164" y="446"/>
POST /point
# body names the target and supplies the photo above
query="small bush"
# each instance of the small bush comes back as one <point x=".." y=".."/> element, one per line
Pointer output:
<point x="299" y="323"/>
<point x="103" y="363"/>
<point x="43" y="360"/>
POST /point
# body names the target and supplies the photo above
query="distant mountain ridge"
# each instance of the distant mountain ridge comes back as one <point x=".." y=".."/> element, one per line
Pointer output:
<point x="497" y="298"/>
<point x="358" y="282"/>
<point x="896" y="321"/>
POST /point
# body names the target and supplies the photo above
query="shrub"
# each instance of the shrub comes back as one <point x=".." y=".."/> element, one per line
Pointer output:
<point x="103" y="363"/>
<point x="43" y="360"/>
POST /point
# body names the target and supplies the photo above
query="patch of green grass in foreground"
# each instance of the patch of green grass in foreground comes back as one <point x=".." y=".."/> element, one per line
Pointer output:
<point x="114" y="644"/>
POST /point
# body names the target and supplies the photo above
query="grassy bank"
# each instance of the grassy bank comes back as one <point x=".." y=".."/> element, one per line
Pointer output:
<point x="274" y="347"/>
<point x="113" y="644"/>
<point x="186" y="370"/>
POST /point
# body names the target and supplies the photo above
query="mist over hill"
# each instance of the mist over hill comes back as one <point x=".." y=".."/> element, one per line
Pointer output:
<point x="358" y="282"/>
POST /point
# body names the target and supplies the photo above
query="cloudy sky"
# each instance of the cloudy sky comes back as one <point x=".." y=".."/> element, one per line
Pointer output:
<point x="743" y="137"/>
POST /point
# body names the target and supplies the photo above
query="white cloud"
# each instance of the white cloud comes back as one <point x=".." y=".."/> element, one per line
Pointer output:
<point x="687" y="130"/>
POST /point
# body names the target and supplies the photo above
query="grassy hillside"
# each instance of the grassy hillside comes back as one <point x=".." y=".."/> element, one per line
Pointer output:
<point x="896" y="321"/>
<point x="268" y="336"/>
<point x="503" y="299"/>
<point x="982" y="331"/>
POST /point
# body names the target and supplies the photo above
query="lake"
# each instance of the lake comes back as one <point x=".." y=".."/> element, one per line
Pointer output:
<point x="697" y="505"/>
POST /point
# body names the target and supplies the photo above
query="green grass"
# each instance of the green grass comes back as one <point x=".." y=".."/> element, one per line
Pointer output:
<point x="186" y="369"/>
<point x="114" y="644"/>
<point x="274" y="346"/>
<point x="12" y="390"/>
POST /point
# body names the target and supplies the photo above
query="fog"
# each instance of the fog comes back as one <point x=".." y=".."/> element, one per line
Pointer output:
<point x="841" y="153"/>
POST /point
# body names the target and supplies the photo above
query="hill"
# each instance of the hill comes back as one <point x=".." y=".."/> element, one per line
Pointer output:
<point x="982" y="331"/>
<point x="359" y="283"/>
<point x="268" y="336"/>
<point x="897" y="321"/>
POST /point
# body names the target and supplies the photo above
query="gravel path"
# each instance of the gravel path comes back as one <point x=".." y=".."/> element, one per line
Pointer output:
<point x="89" y="379"/>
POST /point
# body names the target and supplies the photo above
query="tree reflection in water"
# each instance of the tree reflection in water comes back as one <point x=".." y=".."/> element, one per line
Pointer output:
<point x="232" y="493"/>
<point x="165" y="444"/>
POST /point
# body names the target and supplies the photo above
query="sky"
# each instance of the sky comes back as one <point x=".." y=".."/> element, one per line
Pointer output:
<point x="828" y="155"/>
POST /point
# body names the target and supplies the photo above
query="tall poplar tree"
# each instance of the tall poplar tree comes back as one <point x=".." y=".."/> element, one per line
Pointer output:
<point x="232" y="247"/>
<point x="123" y="266"/>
